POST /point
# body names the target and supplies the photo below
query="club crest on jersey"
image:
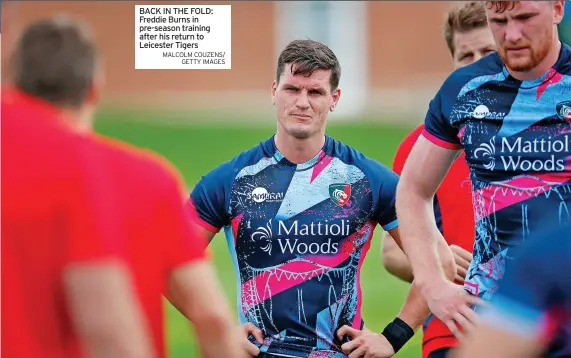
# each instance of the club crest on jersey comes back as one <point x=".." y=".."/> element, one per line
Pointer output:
<point x="340" y="193"/>
<point x="564" y="110"/>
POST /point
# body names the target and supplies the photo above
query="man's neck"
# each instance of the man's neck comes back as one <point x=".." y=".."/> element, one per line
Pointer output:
<point x="76" y="120"/>
<point x="547" y="63"/>
<point x="297" y="150"/>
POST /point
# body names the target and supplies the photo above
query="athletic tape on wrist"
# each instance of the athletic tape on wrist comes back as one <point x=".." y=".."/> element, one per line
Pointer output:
<point x="398" y="333"/>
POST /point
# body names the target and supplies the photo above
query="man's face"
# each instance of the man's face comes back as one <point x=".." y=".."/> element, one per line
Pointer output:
<point x="303" y="103"/>
<point x="524" y="33"/>
<point x="470" y="46"/>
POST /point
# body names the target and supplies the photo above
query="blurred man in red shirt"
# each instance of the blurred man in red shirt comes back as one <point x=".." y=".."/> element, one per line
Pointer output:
<point x="55" y="76"/>
<point x="468" y="38"/>
<point x="65" y="289"/>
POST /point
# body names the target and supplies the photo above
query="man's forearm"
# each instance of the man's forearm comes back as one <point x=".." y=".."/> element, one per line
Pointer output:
<point x="397" y="265"/>
<point x="195" y="292"/>
<point x="394" y="259"/>
<point x="415" y="309"/>
<point x="420" y="236"/>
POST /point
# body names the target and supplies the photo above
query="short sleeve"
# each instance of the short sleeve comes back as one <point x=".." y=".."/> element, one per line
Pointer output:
<point x="185" y="241"/>
<point x="437" y="126"/>
<point x="385" y="211"/>
<point x="207" y="202"/>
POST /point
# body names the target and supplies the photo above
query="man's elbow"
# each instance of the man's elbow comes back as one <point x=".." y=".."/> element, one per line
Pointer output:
<point x="212" y="322"/>
<point x="397" y="264"/>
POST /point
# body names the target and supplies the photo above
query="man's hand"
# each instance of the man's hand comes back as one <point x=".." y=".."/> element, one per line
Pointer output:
<point x="250" y="329"/>
<point x="451" y="304"/>
<point x="364" y="343"/>
<point x="462" y="258"/>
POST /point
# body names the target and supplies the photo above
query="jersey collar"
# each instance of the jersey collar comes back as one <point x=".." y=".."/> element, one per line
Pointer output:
<point x="272" y="151"/>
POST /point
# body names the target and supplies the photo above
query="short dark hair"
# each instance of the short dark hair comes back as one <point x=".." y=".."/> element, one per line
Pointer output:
<point x="308" y="56"/>
<point x="461" y="18"/>
<point x="55" y="59"/>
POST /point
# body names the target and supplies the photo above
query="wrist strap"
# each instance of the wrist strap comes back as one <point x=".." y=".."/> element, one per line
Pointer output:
<point x="398" y="333"/>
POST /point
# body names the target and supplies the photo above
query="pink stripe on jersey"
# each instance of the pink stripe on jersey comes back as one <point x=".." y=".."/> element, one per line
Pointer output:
<point x="194" y="217"/>
<point x="318" y="168"/>
<point x="357" y="319"/>
<point x="236" y="225"/>
<point x="554" y="78"/>
<point x="439" y="142"/>
<point x="514" y="191"/>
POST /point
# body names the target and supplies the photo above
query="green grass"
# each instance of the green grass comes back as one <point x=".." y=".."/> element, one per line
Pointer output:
<point x="196" y="149"/>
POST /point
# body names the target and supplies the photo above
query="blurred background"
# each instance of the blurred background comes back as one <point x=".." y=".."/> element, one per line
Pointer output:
<point x="393" y="60"/>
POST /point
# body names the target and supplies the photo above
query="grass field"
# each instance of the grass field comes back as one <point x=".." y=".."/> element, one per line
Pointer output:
<point x="195" y="149"/>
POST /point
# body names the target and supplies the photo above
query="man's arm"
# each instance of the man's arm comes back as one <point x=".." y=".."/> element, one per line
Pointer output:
<point x="396" y="262"/>
<point x="394" y="259"/>
<point x="423" y="172"/>
<point x="105" y="311"/>
<point x="415" y="309"/>
<point x="193" y="285"/>
<point x="200" y="298"/>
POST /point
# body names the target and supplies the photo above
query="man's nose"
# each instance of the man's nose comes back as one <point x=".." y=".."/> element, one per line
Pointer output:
<point x="302" y="100"/>
<point x="513" y="32"/>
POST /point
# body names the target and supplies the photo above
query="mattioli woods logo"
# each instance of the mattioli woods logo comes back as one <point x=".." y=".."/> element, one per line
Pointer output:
<point x="518" y="154"/>
<point x="301" y="238"/>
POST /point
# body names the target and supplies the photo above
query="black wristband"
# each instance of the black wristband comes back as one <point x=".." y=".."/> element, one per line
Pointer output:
<point x="398" y="333"/>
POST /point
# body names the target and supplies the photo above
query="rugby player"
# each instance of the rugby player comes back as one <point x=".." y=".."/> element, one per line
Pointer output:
<point x="299" y="211"/>
<point x="468" y="38"/>
<point x="509" y="113"/>
<point x="56" y="74"/>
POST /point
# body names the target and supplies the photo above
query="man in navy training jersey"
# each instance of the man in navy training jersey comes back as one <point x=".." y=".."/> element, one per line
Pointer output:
<point x="299" y="211"/>
<point x="530" y="315"/>
<point x="468" y="38"/>
<point x="510" y="113"/>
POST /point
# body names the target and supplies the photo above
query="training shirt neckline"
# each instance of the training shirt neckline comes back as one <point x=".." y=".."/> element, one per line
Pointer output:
<point x="270" y="147"/>
<point x="562" y="60"/>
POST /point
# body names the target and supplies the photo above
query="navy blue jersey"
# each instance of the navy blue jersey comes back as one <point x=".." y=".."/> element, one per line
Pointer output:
<point x="534" y="298"/>
<point x="298" y="235"/>
<point x="517" y="139"/>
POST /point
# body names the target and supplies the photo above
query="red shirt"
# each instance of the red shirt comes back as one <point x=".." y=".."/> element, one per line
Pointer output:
<point x="138" y="194"/>
<point x="156" y="223"/>
<point x="454" y="198"/>
<point x="53" y="214"/>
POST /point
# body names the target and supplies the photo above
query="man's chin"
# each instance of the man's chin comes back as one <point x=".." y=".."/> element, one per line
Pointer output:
<point x="300" y="132"/>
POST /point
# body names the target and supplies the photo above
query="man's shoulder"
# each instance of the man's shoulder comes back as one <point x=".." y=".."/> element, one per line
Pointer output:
<point x="227" y="171"/>
<point x="349" y="155"/>
<point x="143" y="163"/>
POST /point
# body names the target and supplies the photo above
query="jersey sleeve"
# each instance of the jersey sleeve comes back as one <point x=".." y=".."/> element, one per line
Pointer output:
<point x="207" y="203"/>
<point x="533" y="292"/>
<point x="437" y="126"/>
<point x="385" y="180"/>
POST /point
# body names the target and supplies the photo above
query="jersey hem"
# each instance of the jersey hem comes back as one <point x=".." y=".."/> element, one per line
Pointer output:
<point x="440" y="142"/>
<point x="391" y="225"/>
